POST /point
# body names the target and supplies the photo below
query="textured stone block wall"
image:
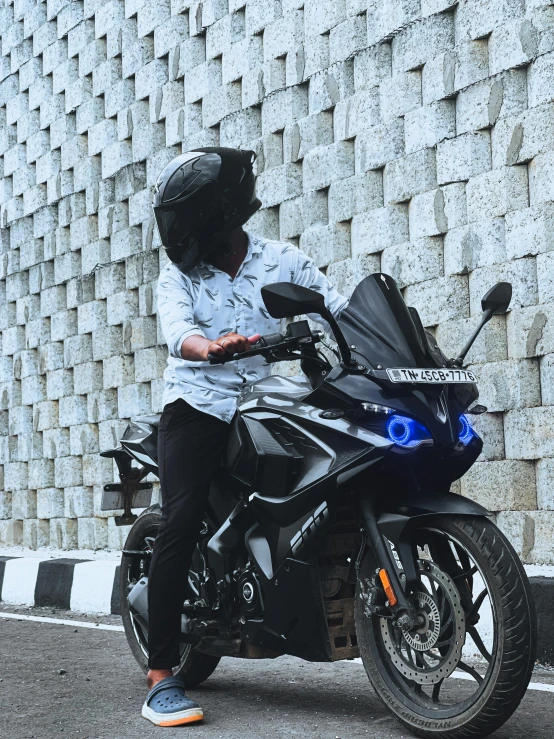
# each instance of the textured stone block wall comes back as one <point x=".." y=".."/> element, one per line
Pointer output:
<point x="412" y="136"/>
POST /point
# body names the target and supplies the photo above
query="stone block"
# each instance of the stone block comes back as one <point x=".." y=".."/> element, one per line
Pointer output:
<point x="225" y="32"/>
<point x="356" y="114"/>
<point x="545" y="277"/>
<point x="379" y="145"/>
<point x="280" y="183"/>
<point x="426" y="126"/>
<point x="510" y="384"/>
<point x="92" y="533"/>
<point x="477" y="245"/>
<point x="83" y="439"/>
<point x="347" y="273"/>
<point x="463" y="157"/>
<point x="78" y="501"/>
<point x="438" y="76"/>
<point x="330" y="87"/>
<point x="439" y="300"/>
<point x="68" y="472"/>
<point x="326" y="244"/>
<point x="541" y="178"/>
<point x="33" y="390"/>
<point x="59" y="383"/>
<point x="399" y="94"/>
<point x="427" y="215"/>
<point x="490" y="428"/>
<point x="541" y="553"/>
<point x="149" y="363"/>
<point x="63" y="533"/>
<point x="133" y="400"/>
<point x="41" y="473"/>
<point x="353" y="195"/>
<point x="347" y="38"/>
<point x="472" y="63"/>
<point x="496" y="192"/>
<point x="518" y="139"/>
<point x="410" y="175"/>
<point x="385" y="17"/>
<point x="320" y="17"/>
<point x="284" y="108"/>
<point x="50" y="503"/>
<point x="372" y="65"/>
<point x="414" y="261"/>
<point x="101" y="406"/>
<point x="327" y="164"/>
<point x="481" y="105"/>
<point x="15" y="476"/>
<point x="529" y="434"/>
<point x="530" y="332"/>
<point x="545" y="484"/>
<point x="376" y="229"/>
<point x="530" y="231"/>
<point x="72" y="410"/>
<point x="507" y="484"/>
<point x="512" y="44"/>
<point x="140" y="333"/>
<point x="521" y="273"/>
<point x="24" y="504"/>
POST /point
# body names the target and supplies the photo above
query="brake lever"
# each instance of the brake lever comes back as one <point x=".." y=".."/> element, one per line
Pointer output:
<point x="217" y="359"/>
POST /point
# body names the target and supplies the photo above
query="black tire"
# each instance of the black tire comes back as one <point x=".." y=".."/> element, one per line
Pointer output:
<point x="195" y="667"/>
<point x="512" y="656"/>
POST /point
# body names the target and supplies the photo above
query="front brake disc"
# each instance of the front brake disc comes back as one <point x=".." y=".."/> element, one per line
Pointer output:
<point x="414" y="654"/>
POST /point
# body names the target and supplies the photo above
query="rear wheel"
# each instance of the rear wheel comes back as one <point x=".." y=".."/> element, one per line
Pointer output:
<point x="194" y="667"/>
<point x="464" y="671"/>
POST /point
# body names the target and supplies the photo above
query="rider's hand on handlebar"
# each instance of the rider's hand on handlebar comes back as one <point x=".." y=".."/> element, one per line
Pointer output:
<point x="230" y="344"/>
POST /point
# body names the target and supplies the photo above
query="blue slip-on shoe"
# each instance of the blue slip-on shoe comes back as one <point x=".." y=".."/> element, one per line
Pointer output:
<point x="167" y="704"/>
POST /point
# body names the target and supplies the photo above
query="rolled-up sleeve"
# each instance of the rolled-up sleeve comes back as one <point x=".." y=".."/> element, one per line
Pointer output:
<point x="308" y="275"/>
<point x="176" y="309"/>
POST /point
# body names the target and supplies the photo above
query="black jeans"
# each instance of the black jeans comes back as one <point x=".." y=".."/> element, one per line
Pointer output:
<point x="190" y="448"/>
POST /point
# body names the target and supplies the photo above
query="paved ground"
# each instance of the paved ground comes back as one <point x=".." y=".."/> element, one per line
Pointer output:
<point x="100" y="694"/>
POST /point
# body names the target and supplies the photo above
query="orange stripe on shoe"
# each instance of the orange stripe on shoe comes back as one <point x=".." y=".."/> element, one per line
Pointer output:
<point x="180" y="721"/>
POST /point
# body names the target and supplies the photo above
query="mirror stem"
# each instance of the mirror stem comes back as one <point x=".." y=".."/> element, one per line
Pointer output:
<point x="487" y="315"/>
<point x="342" y="344"/>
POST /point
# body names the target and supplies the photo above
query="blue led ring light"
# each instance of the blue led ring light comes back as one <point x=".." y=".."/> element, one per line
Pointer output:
<point x="465" y="433"/>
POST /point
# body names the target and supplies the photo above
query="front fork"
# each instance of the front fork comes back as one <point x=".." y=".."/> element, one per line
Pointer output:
<point x="398" y="577"/>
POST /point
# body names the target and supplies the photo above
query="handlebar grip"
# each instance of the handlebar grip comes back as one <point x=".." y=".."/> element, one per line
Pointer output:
<point x="219" y="359"/>
<point x="269" y="340"/>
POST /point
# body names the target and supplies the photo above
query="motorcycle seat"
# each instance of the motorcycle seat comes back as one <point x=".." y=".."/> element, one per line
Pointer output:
<point x="152" y="419"/>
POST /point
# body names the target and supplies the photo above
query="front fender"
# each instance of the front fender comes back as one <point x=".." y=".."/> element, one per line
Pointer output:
<point x="415" y="505"/>
<point x="400" y="515"/>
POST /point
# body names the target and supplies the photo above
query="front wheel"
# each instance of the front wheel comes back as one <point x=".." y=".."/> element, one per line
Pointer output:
<point x="194" y="667"/>
<point x="463" y="672"/>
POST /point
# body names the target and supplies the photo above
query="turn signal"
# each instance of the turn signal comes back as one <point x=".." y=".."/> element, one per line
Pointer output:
<point x="389" y="592"/>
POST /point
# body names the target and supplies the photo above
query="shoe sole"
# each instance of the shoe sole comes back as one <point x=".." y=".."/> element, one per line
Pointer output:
<point x="190" y="716"/>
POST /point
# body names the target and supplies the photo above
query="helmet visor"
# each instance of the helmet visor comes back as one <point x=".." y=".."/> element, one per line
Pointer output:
<point x="179" y="220"/>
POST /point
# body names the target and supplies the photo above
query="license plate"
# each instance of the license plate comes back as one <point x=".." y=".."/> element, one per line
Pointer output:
<point x="430" y="376"/>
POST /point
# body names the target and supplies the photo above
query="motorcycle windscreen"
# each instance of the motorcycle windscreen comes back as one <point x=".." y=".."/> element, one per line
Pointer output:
<point x="380" y="325"/>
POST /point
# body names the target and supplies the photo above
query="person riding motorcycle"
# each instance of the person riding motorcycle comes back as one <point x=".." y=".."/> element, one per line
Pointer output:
<point x="209" y="303"/>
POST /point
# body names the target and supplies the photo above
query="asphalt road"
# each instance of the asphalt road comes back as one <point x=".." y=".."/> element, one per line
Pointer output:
<point x="100" y="694"/>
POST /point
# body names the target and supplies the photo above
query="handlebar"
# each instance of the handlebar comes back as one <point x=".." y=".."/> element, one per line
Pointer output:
<point x="268" y="343"/>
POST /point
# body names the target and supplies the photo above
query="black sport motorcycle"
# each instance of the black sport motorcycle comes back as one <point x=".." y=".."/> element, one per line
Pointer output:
<point x="331" y="531"/>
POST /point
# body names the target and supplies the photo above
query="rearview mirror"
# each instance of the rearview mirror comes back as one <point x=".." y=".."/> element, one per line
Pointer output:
<point x="284" y="299"/>
<point x="498" y="298"/>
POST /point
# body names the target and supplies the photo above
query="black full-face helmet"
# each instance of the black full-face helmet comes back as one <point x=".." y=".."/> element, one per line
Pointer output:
<point x="200" y="197"/>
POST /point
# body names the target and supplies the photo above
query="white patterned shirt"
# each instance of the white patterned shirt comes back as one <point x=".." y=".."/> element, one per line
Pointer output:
<point x="208" y="302"/>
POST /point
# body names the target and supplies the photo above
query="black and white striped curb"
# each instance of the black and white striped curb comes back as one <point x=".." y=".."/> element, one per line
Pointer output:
<point x="92" y="586"/>
<point x="85" y="586"/>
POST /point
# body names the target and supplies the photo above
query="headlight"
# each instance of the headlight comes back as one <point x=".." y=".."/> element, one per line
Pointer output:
<point x="407" y="432"/>
<point x="465" y="432"/>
